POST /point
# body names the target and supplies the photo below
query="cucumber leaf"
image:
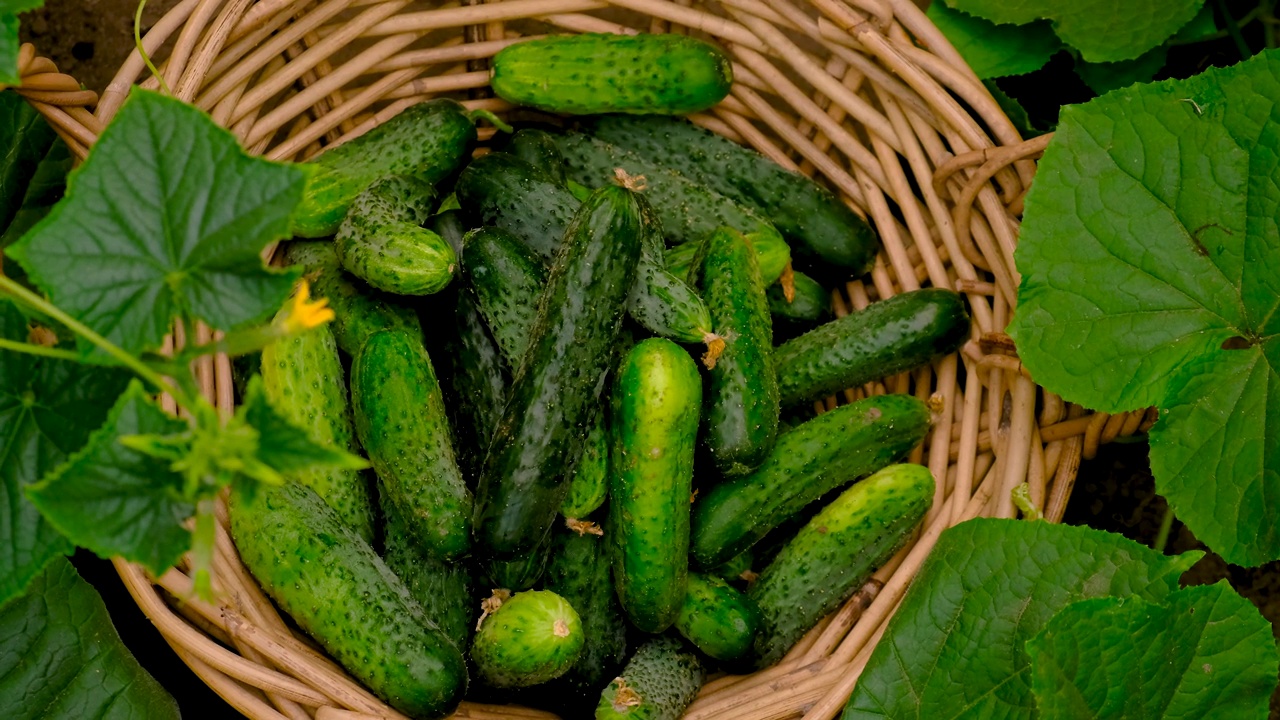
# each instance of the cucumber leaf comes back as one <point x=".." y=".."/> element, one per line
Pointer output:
<point x="1205" y="652"/>
<point x="1104" y="77"/>
<point x="1151" y="276"/>
<point x="25" y="138"/>
<point x="48" y="408"/>
<point x="283" y="446"/>
<point x="9" y="42"/>
<point x="166" y="218"/>
<point x="956" y="647"/>
<point x="996" y="50"/>
<point x="60" y="657"/>
<point x="1102" y="30"/>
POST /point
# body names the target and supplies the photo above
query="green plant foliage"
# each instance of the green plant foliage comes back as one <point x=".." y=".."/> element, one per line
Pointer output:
<point x="25" y="138"/>
<point x="996" y="50"/>
<point x="1102" y="78"/>
<point x="9" y="43"/>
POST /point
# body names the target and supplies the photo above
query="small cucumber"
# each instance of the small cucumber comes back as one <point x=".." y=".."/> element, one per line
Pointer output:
<point x="332" y="583"/>
<point x="823" y="228"/>
<point x="302" y="376"/>
<point x="810" y="305"/>
<point x="561" y="377"/>
<point x="441" y="587"/>
<point x="660" y="301"/>
<point x="888" y="337"/>
<point x="400" y="419"/>
<point x="600" y="72"/>
<point x="501" y="190"/>
<point x="589" y="480"/>
<point x="538" y="148"/>
<point x="809" y="461"/>
<point x="381" y="241"/>
<point x="835" y="553"/>
<point x="505" y="278"/>
<point x="428" y="141"/>
<point x="742" y="395"/>
<point x="531" y="638"/>
<point x="656" y="400"/>
<point x="772" y="254"/>
<point x="658" y="683"/>
<point x="717" y="619"/>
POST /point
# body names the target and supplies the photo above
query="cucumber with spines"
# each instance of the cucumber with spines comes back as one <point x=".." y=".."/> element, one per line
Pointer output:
<point x="538" y="148"/>
<point x="589" y="479"/>
<point x="501" y="190"/>
<point x="809" y="306"/>
<point x="658" y="683"/>
<point x="505" y="278"/>
<point x="382" y="241"/>
<point x="443" y="588"/>
<point x="660" y="301"/>
<point x="532" y="637"/>
<point x="717" y="619"/>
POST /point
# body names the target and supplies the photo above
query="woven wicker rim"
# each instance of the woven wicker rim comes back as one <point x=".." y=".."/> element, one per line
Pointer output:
<point x="865" y="95"/>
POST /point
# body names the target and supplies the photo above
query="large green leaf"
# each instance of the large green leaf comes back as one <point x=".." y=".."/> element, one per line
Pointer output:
<point x="48" y="408"/>
<point x="1102" y="30"/>
<point x="166" y="218"/>
<point x="1205" y="652"/>
<point x="24" y="139"/>
<point x="1150" y="258"/>
<point x="9" y="42"/>
<point x="1104" y="77"/>
<point x="60" y="657"/>
<point x="996" y="50"/>
<point x="283" y="446"/>
<point x="955" y="648"/>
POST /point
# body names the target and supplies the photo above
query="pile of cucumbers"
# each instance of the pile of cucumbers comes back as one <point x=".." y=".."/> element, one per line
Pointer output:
<point x="560" y="360"/>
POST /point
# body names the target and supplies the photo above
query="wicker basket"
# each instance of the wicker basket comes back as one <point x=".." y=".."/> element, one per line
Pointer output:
<point x="865" y="95"/>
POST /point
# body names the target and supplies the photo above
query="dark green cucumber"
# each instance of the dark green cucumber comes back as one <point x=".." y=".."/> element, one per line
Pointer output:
<point x="381" y="241"/>
<point x="359" y="310"/>
<point x="821" y="225"/>
<point x="654" y="427"/>
<point x="560" y="379"/>
<point x="717" y="619"/>
<point x="589" y="480"/>
<point x="822" y="454"/>
<point x="658" y="683"/>
<point x="836" y="553"/>
<point x="538" y="148"/>
<point x="742" y="395"/>
<point x="599" y="72"/>
<point x="501" y="190"/>
<point x="888" y="337"/>
<point x="810" y="305"/>
<point x="400" y="419"/>
<point x="733" y="569"/>
<point x="428" y="141"/>
<point x="332" y="583"/>
<point x="475" y="380"/>
<point x="660" y="301"/>
<point x="505" y="278"/>
<point x="519" y="572"/>
<point x="533" y="637"/>
<point x="442" y="587"/>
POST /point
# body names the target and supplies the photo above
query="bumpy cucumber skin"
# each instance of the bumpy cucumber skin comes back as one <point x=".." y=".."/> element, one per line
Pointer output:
<point x="501" y="190"/>
<point x="809" y="461"/>
<point x="359" y="310"/>
<point x="428" y="141"/>
<point x="401" y="422"/>
<point x="519" y="572"/>
<point x="589" y="480"/>
<point x="820" y="224"/>
<point x="654" y="427"/>
<point x="685" y="260"/>
<point x="742" y="395"/>
<point x="810" y="306"/>
<point x="335" y="586"/>
<point x="579" y="572"/>
<point x="381" y="241"/>
<point x="660" y="301"/>
<point x="717" y="619"/>
<point x="302" y="375"/>
<point x="534" y="637"/>
<point x="441" y="587"/>
<point x="561" y="376"/>
<point x="666" y="676"/>
<point x="596" y="72"/>
<point x="888" y="337"/>
<point x="505" y="278"/>
<point x="732" y="569"/>
<point x="835" y="553"/>
<point x="538" y="148"/>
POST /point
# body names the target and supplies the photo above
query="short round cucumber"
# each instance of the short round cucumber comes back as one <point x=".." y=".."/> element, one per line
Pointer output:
<point x="810" y="305"/>
<point x="589" y="481"/>
<point x="533" y="637"/>
<point x="717" y="619"/>
<point x="656" y="401"/>
<point x="597" y="72"/>
<point x="382" y="240"/>
<point x="835" y="553"/>
<point x="658" y="683"/>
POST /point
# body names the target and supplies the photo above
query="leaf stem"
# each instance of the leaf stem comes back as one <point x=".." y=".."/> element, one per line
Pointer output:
<point x="1233" y="30"/>
<point x="41" y="350"/>
<point x="137" y="43"/>
<point x="1166" y="524"/>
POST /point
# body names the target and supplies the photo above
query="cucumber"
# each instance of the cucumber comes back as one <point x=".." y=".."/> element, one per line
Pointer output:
<point x="811" y="304"/>
<point x="400" y="419"/>
<point x="519" y="572"/>
<point x="820" y="455"/>
<point x="660" y="301"/>
<point x="441" y="587"/>
<point x="533" y="637"/>
<point x="654" y="427"/>
<point x="733" y="569"/>
<point x="658" y="683"/>
<point x="505" y="279"/>
<point x="717" y="619"/>
<point x="332" y="583"/>
<point x="428" y="141"/>
<point x="475" y="382"/>
<point x="836" y="553"/>
<point x="501" y="190"/>
<point x="580" y="191"/>
<point x="742" y="394"/>
<point x="560" y="378"/>
<point x="823" y="228"/>
<point x="888" y="337"/>
<point x="589" y="480"/>
<point x="772" y="254"/>
<point x="538" y="148"/>
<point x="381" y="241"/>
<point x="302" y="376"/>
<point x="600" y="72"/>
<point x="359" y="310"/>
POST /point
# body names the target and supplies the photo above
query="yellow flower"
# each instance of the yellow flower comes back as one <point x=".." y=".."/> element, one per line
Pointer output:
<point x="305" y="314"/>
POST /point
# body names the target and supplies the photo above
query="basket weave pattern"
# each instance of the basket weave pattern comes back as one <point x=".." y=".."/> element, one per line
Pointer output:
<point x="865" y="95"/>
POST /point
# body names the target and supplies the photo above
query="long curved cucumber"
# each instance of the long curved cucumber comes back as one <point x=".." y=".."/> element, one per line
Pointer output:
<point x="533" y="637"/>
<point x="717" y="619"/>
<point x="441" y="587"/>
<point x="382" y="241"/>
<point x="836" y="553"/>
<point x="658" y="683"/>
<point x="818" y="456"/>
<point x="501" y="190"/>
<point x="505" y="278"/>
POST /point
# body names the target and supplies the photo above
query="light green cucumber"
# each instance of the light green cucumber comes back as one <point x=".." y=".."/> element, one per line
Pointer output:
<point x="658" y="683"/>
<point x="717" y="619"/>
<point x="382" y="241"/>
<point x="660" y="301"/>
<point x="772" y="254"/>
<point x="531" y="638"/>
